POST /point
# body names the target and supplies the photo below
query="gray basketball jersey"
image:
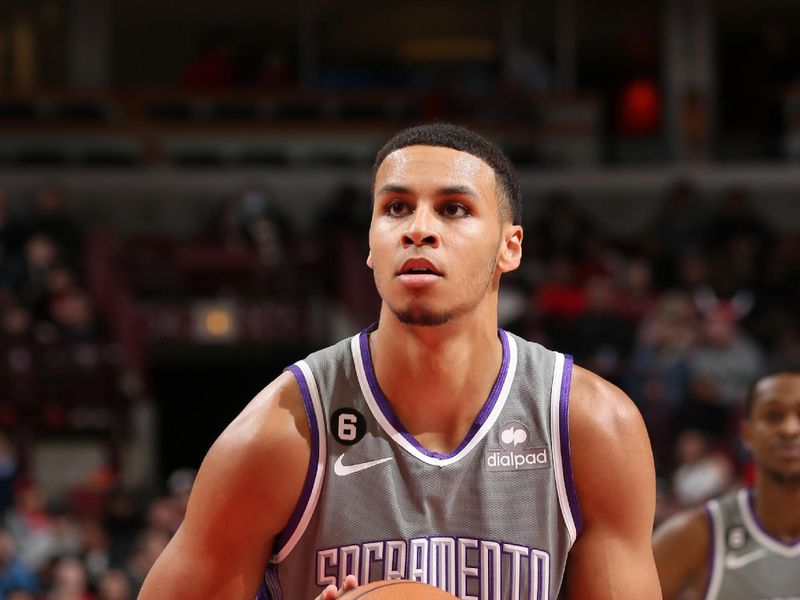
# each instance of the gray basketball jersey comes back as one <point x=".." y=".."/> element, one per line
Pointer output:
<point x="494" y="518"/>
<point x="746" y="562"/>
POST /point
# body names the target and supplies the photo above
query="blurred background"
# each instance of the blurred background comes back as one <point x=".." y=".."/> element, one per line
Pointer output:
<point x="184" y="207"/>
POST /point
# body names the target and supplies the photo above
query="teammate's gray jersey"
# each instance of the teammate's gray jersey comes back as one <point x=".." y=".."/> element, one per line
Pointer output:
<point x="747" y="563"/>
<point x="494" y="518"/>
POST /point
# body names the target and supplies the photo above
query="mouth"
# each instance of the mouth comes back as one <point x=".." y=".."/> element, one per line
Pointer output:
<point x="419" y="267"/>
<point x="419" y="274"/>
<point x="788" y="450"/>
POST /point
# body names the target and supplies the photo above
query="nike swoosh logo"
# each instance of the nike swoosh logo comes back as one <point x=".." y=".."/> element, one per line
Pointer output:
<point x="342" y="469"/>
<point x="737" y="562"/>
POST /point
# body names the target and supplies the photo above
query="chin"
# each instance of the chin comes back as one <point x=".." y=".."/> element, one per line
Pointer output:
<point x="789" y="477"/>
<point x="423" y="316"/>
<point x="424" y="319"/>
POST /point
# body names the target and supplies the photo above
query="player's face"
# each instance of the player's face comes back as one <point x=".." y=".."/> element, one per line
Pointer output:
<point x="437" y="243"/>
<point x="772" y="431"/>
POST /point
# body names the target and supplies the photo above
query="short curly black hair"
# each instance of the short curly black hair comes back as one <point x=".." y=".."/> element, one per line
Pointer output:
<point x="465" y="140"/>
<point x="750" y="396"/>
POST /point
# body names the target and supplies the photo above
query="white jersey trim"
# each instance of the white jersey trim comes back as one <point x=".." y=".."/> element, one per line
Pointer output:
<point x="313" y="499"/>
<point x="401" y="440"/>
<point x="755" y="530"/>
<point x="717" y="540"/>
<point x="558" y="465"/>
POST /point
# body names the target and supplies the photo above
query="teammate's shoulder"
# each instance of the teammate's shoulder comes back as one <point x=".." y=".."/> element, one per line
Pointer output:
<point x="689" y="527"/>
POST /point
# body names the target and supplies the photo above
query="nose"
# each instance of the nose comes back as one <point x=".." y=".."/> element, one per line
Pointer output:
<point x="421" y="230"/>
<point x="790" y="425"/>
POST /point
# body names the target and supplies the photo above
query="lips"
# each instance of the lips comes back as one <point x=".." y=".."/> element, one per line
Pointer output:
<point x="788" y="450"/>
<point x="419" y="266"/>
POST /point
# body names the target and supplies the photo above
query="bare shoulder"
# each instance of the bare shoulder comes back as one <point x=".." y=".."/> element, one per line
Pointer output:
<point x="273" y="423"/>
<point x="614" y="477"/>
<point x="267" y="443"/>
<point x="246" y="489"/>
<point x="681" y="547"/>
<point x="596" y="405"/>
<point x="611" y="455"/>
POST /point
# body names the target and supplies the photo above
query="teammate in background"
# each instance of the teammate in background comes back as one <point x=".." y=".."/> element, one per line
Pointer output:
<point x="745" y="545"/>
<point x="431" y="446"/>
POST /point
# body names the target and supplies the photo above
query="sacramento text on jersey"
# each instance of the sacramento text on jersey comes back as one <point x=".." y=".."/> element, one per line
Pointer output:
<point x="469" y="568"/>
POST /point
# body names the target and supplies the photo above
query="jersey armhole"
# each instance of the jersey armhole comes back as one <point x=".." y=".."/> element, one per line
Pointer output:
<point x="562" y="459"/>
<point x="716" y="550"/>
<point x="288" y="538"/>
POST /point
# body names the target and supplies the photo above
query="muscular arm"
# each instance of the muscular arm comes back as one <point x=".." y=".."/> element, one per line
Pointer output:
<point x="615" y="482"/>
<point x="681" y="547"/>
<point x="245" y="492"/>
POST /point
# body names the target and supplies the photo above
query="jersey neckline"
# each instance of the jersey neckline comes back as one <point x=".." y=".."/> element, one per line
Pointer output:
<point x="746" y="500"/>
<point x="382" y="411"/>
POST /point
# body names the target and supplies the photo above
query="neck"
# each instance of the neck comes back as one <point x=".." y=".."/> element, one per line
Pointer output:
<point x="447" y="370"/>
<point x="777" y="505"/>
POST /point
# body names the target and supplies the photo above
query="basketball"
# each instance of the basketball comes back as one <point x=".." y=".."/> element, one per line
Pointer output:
<point x="397" y="589"/>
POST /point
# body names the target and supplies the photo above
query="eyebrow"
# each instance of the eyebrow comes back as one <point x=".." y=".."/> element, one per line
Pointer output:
<point x="456" y="190"/>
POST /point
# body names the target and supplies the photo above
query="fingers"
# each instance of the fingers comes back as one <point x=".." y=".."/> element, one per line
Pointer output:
<point x="350" y="583"/>
<point x="331" y="593"/>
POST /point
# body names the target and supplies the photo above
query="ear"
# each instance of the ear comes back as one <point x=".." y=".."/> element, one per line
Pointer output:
<point x="369" y="259"/>
<point x="510" y="254"/>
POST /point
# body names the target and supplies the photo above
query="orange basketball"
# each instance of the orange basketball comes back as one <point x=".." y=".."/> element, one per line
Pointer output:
<point x="397" y="589"/>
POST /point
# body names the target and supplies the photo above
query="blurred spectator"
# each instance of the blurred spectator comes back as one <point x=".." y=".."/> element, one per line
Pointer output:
<point x="256" y="220"/>
<point x="273" y="72"/>
<point x="658" y="372"/>
<point x="680" y="222"/>
<point x="14" y="573"/>
<point x="738" y="241"/>
<point x="74" y="317"/>
<point x="637" y="296"/>
<point x="51" y="220"/>
<point x="41" y="256"/>
<point x="31" y="525"/>
<point x="215" y="66"/>
<point x="149" y="546"/>
<point x="114" y="585"/>
<point x="179" y="485"/>
<point x="94" y="549"/>
<point x="702" y="472"/>
<point x="528" y="70"/>
<point x="69" y="581"/>
<point x="8" y="472"/>
<point x="11" y="233"/>
<point x="561" y="299"/>
<point x="602" y="338"/>
<point x="559" y="230"/>
<point x="123" y="522"/>
<point x="721" y="365"/>
<point x="343" y="226"/>
<point x="17" y="323"/>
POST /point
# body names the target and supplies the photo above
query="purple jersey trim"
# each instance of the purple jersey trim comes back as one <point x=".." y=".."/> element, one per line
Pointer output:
<point x="286" y="534"/>
<point x="566" y="460"/>
<point x="751" y="502"/>
<point x="711" y="551"/>
<point x="386" y="408"/>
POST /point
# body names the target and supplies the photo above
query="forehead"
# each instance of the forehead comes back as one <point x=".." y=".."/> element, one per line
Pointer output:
<point x="782" y="387"/>
<point x="433" y="165"/>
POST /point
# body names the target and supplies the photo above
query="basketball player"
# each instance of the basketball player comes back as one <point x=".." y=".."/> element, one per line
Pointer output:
<point x="431" y="446"/>
<point x="746" y="545"/>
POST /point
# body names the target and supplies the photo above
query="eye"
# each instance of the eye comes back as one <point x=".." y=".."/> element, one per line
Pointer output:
<point x="455" y="210"/>
<point x="772" y="416"/>
<point x="396" y="208"/>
